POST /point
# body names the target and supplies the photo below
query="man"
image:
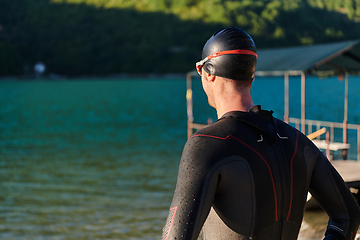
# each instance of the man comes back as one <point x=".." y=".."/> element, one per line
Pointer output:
<point x="247" y="175"/>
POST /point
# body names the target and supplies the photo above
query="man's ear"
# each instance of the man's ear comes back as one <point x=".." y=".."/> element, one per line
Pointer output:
<point x="211" y="78"/>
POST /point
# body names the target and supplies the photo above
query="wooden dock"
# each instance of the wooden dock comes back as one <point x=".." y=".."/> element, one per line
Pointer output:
<point x="350" y="172"/>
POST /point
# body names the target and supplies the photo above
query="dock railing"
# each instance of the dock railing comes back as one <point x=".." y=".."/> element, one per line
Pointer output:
<point x="329" y="143"/>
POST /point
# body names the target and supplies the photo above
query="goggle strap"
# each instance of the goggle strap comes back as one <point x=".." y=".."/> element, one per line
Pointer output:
<point x="236" y="51"/>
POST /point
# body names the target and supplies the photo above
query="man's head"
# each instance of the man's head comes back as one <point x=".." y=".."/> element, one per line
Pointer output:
<point x="227" y="70"/>
<point x="229" y="53"/>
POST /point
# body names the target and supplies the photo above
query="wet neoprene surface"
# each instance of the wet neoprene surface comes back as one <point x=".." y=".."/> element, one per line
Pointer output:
<point x="252" y="172"/>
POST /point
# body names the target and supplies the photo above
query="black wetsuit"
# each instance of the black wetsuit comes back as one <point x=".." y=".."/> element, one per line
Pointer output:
<point x="247" y="177"/>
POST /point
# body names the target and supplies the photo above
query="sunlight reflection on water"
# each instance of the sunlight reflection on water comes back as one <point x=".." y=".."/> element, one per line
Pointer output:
<point x="97" y="159"/>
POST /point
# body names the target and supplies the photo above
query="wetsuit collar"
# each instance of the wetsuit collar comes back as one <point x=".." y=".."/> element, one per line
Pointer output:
<point x="255" y="109"/>
<point x="256" y="117"/>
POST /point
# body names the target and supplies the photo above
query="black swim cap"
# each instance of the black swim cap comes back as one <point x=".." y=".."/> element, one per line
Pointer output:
<point x="230" y="53"/>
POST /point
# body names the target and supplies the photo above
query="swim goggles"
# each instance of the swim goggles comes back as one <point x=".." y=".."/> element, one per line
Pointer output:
<point x="200" y="64"/>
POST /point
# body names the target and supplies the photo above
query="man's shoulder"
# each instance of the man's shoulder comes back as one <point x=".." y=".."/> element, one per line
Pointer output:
<point x="206" y="133"/>
<point x="286" y="129"/>
<point x="207" y="137"/>
<point x="281" y="125"/>
<point x="219" y="129"/>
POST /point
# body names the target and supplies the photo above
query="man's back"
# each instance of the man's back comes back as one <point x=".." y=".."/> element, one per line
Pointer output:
<point x="253" y="172"/>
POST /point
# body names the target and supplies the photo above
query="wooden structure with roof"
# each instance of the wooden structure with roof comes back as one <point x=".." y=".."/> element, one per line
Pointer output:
<point x="323" y="60"/>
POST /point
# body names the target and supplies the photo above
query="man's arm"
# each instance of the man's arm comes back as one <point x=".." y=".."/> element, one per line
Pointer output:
<point x="333" y="195"/>
<point x="194" y="193"/>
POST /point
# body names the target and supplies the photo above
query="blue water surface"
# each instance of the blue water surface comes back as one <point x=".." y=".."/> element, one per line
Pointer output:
<point x="98" y="158"/>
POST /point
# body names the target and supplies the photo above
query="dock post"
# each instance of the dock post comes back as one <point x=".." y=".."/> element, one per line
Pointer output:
<point x="327" y="139"/>
<point x="303" y="103"/>
<point x="346" y="100"/>
<point x="286" y="96"/>
<point x="358" y="144"/>
<point x="189" y="104"/>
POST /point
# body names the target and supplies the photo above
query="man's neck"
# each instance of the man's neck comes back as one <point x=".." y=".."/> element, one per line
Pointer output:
<point x="238" y="102"/>
<point x="227" y="95"/>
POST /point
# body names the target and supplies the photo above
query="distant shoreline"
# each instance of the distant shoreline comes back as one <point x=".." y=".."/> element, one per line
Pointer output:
<point x="54" y="76"/>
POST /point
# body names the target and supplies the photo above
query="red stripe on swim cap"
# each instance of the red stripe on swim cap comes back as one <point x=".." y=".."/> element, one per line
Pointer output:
<point x="236" y="51"/>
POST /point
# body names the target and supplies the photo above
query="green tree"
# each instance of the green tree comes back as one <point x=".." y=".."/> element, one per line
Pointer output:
<point x="140" y="36"/>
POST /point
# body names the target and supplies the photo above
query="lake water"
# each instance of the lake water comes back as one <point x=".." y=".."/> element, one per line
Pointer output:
<point x="98" y="159"/>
